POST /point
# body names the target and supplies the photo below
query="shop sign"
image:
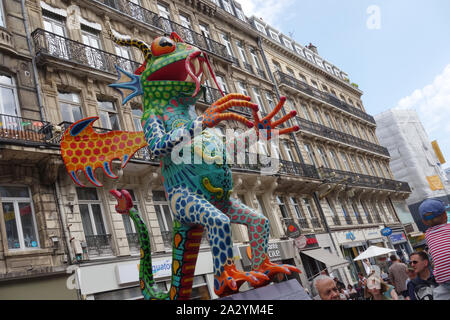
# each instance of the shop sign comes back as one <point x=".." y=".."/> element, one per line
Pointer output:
<point x="293" y="231"/>
<point x="274" y="252"/>
<point x="397" y="237"/>
<point x="350" y="236"/>
<point x="386" y="232"/>
<point x="306" y="242"/>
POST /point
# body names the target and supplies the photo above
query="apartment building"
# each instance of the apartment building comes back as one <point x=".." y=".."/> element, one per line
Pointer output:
<point x="334" y="180"/>
<point x="358" y="194"/>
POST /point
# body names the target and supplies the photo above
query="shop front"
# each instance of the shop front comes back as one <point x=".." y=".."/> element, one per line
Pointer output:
<point x="400" y="243"/>
<point x="318" y="257"/>
<point x="352" y="243"/>
<point x="375" y="238"/>
<point x="417" y="240"/>
<point x="120" y="280"/>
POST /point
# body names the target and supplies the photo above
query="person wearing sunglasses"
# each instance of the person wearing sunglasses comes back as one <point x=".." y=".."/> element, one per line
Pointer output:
<point x="421" y="288"/>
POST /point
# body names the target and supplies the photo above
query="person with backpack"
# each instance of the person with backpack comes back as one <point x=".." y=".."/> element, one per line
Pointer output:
<point x="421" y="288"/>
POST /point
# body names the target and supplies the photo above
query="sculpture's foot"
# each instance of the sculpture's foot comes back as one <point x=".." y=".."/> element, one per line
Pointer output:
<point x="231" y="279"/>
<point x="271" y="270"/>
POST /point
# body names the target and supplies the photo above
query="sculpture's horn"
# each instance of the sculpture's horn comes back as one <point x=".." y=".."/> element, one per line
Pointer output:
<point x="129" y="42"/>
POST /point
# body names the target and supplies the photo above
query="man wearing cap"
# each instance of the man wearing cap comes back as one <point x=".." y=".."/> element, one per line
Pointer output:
<point x="434" y="215"/>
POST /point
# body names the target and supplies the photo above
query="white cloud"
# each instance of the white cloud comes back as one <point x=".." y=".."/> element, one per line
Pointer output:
<point x="432" y="103"/>
<point x="271" y="11"/>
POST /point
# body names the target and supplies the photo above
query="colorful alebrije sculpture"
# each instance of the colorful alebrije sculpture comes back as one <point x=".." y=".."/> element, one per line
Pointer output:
<point x="199" y="194"/>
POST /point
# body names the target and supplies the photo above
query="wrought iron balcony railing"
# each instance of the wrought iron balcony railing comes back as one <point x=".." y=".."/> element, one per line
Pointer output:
<point x="14" y="128"/>
<point x="362" y="180"/>
<point x="99" y="245"/>
<point x="316" y="223"/>
<point x="47" y="44"/>
<point x="248" y="67"/>
<point x="197" y="39"/>
<point x="286" y="79"/>
<point x="348" y="219"/>
<point x="316" y="128"/>
<point x="303" y="222"/>
<point x="168" y="238"/>
<point x="133" y="242"/>
<point x="261" y="73"/>
<point x="132" y="10"/>
<point x="285" y="166"/>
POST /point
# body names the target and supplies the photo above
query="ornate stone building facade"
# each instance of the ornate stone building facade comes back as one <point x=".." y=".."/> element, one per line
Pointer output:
<point x="333" y="180"/>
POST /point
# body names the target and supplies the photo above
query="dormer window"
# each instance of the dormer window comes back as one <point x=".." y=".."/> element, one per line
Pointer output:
<point x="287" y="43"/>
<point x="274" y="36"/>
<point x="260" y="28"/>
<point x="299" y="51"/>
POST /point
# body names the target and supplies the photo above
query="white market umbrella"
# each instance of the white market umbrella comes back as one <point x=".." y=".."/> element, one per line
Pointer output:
<point x="373" y="251"/>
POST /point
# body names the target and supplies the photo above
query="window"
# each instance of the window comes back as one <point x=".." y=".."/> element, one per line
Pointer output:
<point x="342" y="97"/>
<point x="187" y="34"/>
<point x="108" y="115"/>
<point x="20" y="221"/>
<point x="282" y="207"/>
<point x="136" y="111"/>
<point x="333" y="212"/>
<point x="308" y="207"/>
<point x="288" y="151"/>
<point x="314" y="84"/>
<point x="309" y="56"/>
<point x="125" y="53"/>
<point x="270" y="101"/>
<point x="305" y="112"/>
<point x="91" y="212"/>
<point x="290" y="72"/>
<point x="259" y="99"/>
<point x="241" y="51"/>
<point x="94" y="57"/>
<point x="242" y="88"/>
<point x="8" y="97"/>
<point x="318" y="117"/>
<point x="255" y="58"/>
<point x="204" y="29"/>
<point x="325" y="88"/>
<point x="163" y="11"/>
<point x="165" y="14"/>
<point x="2" y="15"/>
<point x="260" y="28"/>
<point x="324" y="158"/>
<point x="70" y="105"/>
<point x="296" y="207"/>
<point x="274" y="36"/>
<point x="333" y="157"/>
<point x="56" y="41"/>
<point x="363" y="165"/>
<point x="330" y="123"/>
<point x="164" y="216"/>
<point x="372" y="168"/>
<point x="310" y="154"/>
<point x="222" y="84"/>
<point x="346" y="127"/>
<point x="287" y="43"/>
<point x="299" y="51"/>
<point x="240" y="14"/>
<point x="303" y="78"/>
<point x="355" y="165"/>
<point x="130" y="228"/>
<point x="356" y="131"/>
<point x="345" y="161"/>
<point x="355" y="211"/>
<point x="227" y="6"/>
<point x="379" y="169"/>
<point x="227" y="44"/>
<point x="333" y="92"/>
<point x="277" y="66"/>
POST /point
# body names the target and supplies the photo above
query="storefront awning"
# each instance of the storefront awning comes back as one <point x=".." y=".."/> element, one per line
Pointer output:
<point x="330" y="259"/>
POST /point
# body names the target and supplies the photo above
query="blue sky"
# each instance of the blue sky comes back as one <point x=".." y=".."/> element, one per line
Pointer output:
<point x="404" y="63"/>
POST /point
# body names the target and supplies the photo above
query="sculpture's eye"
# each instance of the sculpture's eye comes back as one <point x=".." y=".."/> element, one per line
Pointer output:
<point x="162" y="45"/>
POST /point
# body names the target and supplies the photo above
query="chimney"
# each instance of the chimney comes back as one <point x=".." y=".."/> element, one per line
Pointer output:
<point x="313" y="48"/>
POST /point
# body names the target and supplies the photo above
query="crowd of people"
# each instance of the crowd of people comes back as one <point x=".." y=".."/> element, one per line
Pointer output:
<point x="425" y="277"/>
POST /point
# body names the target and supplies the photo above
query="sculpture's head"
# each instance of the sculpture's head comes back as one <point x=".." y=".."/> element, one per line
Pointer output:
<point x="169" y="58"/>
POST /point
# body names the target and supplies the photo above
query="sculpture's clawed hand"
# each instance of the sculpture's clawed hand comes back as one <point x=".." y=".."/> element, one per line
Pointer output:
<point x="266" y="125"/>
<point x="214" y="114"/>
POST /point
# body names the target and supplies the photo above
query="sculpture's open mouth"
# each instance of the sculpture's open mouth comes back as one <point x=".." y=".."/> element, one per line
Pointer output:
<point x="191" y="69"/>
